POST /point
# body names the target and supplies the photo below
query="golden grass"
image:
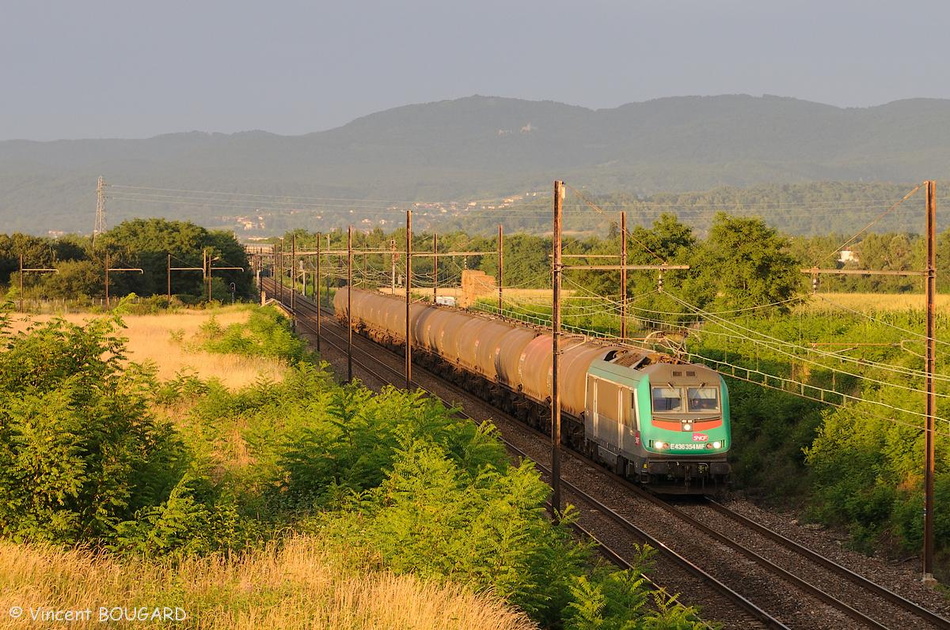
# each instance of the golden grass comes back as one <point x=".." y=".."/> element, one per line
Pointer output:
<point x="874" y="302"/>
<point x="150" y="338"/>
<point x="296" y="586"/>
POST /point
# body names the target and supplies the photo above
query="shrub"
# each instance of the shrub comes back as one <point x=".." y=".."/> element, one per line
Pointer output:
<point x="266" y="333"/>
<point x="79" y="448"/>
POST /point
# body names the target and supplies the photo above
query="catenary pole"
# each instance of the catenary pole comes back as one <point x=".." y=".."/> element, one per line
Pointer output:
<point x="349" y="304"/>
<point x="408" y="299"/>
<point x="555" y="352"/>
<point x="293" y="278"/>
<point x="930" y="433"/>
<point x="623" y="277"/>
<point x="316" y="290"/>
<point x="501" y="263"/>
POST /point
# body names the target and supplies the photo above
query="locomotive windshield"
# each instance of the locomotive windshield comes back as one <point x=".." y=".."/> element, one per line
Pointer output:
<point x="667" y="399"/>
<point x="702" y="398"/>
<point x="670" y="399"/>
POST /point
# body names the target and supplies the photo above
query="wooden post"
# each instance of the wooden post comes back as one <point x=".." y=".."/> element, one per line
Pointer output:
<point x="21" y="281"/>
<point x="623" y="277"/>
<point x="207" y="260"/>
<point x="392" y="264"/>
<point x="280" y="272"/>
<point x="408" y="299"/>
<point x="108" y="264"/>
<point x="555" y="352"/>
<point x="930" y="431"/>
<point x="293" y="277"/>
<point x="501" y="264"/>
<point x="349" y="304"/>
<point x="316" y="291"/>
<point x="435" y="267"/>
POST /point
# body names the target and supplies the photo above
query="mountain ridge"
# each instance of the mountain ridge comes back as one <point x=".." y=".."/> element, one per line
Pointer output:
<point x="486" y="146"/>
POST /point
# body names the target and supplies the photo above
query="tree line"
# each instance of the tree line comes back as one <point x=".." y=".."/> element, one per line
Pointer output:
<point x="741" y="262"/>
<point x="147" y="244"/>
<point x="737" y="263"/>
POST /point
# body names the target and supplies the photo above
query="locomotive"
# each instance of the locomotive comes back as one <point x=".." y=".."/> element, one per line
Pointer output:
<point x="646" y="415"/>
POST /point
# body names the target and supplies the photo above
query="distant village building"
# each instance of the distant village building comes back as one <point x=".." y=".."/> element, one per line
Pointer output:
<point x="847" y="256"/>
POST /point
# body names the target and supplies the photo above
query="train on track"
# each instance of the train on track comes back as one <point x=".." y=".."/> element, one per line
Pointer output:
<point x="646" y="415"/>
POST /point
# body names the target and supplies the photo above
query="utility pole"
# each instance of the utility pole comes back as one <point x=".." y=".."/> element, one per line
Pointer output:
<point x="623" y="277"/>
<point x="202" y="269"/>
<point x="408" y="299"/>
<point x="392" y="264"/>
<point x="293" y="277"/>
<point x="100" y="226"/>
<point x="349" y="304"/>
<point x="279" y="261"/>
<point x="555" y="352"/>
<point x="930" y="290"/>
<point x="209" y="268"/>
<point x="316" y="290"/>
<point x="930" y="430"/>
<point x="435" y="268"/>
<point x="110" y="268"/>
<point x="207" y="264"/>
<point x="501" y="264"/>
<point x="33" y="270"/>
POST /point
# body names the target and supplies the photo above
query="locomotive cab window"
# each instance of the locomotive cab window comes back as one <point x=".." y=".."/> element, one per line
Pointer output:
<point x="702" y="398"/>
<point x="667" y="399"/>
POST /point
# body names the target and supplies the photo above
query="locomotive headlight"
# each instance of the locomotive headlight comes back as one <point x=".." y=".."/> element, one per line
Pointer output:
<point x="687" y="426"/>
<point x="659" y="444"/>
<point x="717" y="445"/>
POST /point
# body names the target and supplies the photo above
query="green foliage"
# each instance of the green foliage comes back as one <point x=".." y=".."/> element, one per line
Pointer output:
<point x="744" y="264"/>
<point x="356" y="445"/>
<point x="197" y="518"/>
<point x="620" y="600"/>
<point x="267" y="333"/>
<point x="868" y="474"/>
<point x="79" y="449"/>
<point x="485" y="528"/>
<point x="858" y="466"/>
<point x="139" y="243"/>
<point x="402" y="482"/>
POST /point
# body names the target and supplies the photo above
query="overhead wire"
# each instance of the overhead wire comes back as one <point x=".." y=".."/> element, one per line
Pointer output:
<point x="777" y="345"/>
<point x="855" y="236"/>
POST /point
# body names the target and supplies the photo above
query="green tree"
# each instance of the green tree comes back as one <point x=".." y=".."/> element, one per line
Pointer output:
<point x="147" y="243"/>
<point x="744" y="264"/>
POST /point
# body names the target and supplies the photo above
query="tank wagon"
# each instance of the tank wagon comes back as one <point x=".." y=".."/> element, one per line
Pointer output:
<point x="658" y="421"/>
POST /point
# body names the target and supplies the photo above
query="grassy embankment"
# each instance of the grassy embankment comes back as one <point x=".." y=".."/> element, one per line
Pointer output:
<point x="294" y="586"/>
<point x="289" y="585"/>
<point x="162" y="340"/>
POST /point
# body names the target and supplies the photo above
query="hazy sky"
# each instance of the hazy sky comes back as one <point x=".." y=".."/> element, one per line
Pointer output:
<point x="135" y="69"/>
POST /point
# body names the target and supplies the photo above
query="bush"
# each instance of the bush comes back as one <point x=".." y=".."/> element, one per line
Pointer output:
<point x="267" y="333"/>
<point x="354" y="446"/>
<point x="79" y="448"/>
<point x="197" y="518"/>
<point x="436" y="520"/>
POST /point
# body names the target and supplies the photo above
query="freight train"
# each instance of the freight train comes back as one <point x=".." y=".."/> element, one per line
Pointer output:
<point x="646" y="415"/>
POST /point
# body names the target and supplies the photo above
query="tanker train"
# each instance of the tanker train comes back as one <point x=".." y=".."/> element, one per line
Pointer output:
<point x="649" y="417"/>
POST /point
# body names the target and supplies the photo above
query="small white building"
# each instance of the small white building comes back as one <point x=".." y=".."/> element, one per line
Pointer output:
<point x="847" y="256"/>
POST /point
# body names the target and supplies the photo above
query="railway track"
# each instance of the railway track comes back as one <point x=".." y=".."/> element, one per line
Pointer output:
<point x="738" y="569"/>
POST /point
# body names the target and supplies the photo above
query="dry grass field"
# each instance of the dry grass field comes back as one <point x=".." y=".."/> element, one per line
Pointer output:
<point x="875" y="302"/>
<point x="167" y="341"/>
<point x="295" y="586"/>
